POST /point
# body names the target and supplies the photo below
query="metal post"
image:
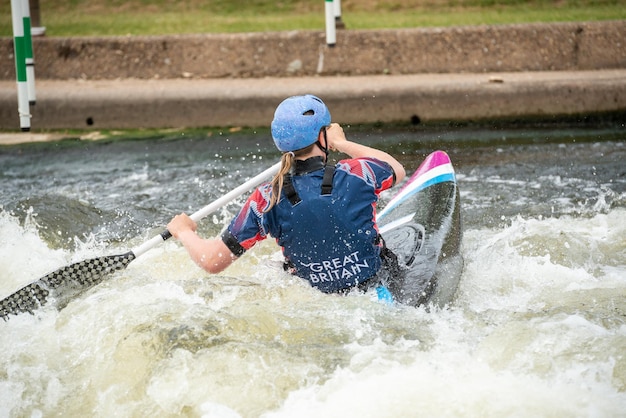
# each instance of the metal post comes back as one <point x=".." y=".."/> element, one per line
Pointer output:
<point x="338" y="22"/>
<point x="20" y="64"/>
<point x="36" y="28"/>
<point x="28" y="54"/>
<point x="331" y="34"/>
<point x="34" y="13"/>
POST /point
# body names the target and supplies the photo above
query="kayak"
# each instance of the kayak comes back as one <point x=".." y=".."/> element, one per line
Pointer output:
<point x="421" y="224"/>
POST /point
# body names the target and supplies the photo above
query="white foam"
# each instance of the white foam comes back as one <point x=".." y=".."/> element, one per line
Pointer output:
<point x="24" y="257"/>
<point x="537" y="330"/>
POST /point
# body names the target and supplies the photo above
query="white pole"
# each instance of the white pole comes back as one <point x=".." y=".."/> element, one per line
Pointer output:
<point x="28" y="50"/>
<point x="337" y="4"/>
<point x="331" y="34"/>
<point x="338" y="22"/>
<point x="20" y="65"/>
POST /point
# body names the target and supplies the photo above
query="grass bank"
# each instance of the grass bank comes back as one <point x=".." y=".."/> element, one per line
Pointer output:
<point x="159" y="17"/>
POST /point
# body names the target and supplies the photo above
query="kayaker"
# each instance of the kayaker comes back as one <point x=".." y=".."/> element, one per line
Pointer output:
<point x="323" y="216"/>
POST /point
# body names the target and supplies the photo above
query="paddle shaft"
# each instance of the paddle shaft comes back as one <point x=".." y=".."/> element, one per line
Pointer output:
<point x="86" y="273"/>
<point x="211" y="207"/>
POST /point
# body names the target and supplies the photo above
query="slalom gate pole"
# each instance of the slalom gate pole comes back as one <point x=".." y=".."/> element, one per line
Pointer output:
<point x="338" y="22"/>
<point x="28" y="53"/>
<point x="20" y="65"/>
<point x="331" y="33"/>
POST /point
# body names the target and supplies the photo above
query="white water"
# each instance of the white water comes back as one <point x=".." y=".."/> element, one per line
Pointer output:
<point x="538" y="330"/>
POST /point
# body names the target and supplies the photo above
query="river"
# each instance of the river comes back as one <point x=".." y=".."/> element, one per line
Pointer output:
<point x="537" y="329"/>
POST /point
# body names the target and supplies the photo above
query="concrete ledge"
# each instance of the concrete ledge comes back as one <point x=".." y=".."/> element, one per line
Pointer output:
<point x="473" y="49"/>
<point x="429" y="74"/>
<point x="110" y="104"/>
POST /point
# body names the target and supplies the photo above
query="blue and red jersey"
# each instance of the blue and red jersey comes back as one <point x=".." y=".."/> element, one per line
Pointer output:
<point x="331" y="240"/>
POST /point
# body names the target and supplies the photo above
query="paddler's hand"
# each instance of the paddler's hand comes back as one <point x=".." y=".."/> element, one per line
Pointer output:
<point x="335" y="136"/>
<point x="180" y="224"/>
<point x="337" y="142"/>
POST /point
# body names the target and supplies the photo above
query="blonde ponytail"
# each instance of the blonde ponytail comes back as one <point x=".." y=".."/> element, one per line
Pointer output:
<point x="286" y="161"/>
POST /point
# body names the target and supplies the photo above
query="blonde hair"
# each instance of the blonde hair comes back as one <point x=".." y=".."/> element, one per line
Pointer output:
<point x="287" y="160"/>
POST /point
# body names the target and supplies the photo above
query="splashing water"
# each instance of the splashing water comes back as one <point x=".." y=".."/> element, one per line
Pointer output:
<point x="538" y="327"/>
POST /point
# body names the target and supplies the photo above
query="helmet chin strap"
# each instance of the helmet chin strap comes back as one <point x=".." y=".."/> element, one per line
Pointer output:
<point x="325" y="146"/>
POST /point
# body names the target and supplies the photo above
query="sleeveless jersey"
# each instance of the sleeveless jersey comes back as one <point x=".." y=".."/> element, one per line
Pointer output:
<point x="331" y="240"/>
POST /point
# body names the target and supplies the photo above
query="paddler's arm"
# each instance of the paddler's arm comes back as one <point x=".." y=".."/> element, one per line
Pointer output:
<point x="337" y="142"/>
<point x="210" y="254"/>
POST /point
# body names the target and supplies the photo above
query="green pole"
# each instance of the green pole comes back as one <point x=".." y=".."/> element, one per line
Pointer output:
<point x="28" y="53"/>
<point x="20" y="65"/>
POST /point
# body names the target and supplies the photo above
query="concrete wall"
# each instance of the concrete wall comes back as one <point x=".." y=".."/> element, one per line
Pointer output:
<point x="475" y="49"/>
<point x="429" y="74"/>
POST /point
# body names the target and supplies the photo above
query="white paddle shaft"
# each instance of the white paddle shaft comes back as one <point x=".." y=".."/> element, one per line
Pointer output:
<point x="213" y="206"/>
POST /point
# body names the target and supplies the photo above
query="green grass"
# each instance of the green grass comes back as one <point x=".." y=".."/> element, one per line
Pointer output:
<point x="156" y="17"/>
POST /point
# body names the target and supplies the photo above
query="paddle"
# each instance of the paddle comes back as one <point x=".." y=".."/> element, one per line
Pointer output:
<point x="72" y="279"/>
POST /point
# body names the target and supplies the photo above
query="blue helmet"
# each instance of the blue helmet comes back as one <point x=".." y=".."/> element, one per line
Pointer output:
<point x="298" y="121"/>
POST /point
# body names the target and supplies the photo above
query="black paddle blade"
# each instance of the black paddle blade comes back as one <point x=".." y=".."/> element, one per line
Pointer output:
<point x="64" y="283"/>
